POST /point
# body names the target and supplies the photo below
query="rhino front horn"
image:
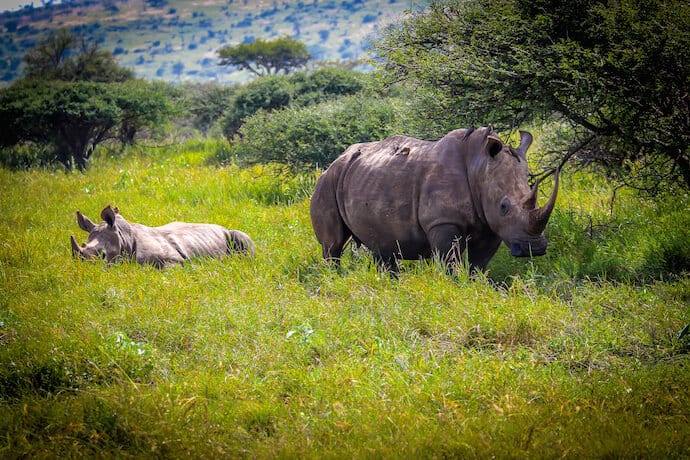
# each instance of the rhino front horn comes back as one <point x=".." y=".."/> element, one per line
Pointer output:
<point x="540" y="217"/>
<point x="76" y="250"/>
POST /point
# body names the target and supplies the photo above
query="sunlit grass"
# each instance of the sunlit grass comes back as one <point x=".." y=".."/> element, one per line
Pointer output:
<point x="572" y="354"/>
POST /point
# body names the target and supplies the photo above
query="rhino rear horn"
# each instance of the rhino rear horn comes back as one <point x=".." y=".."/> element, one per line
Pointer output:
<point x="525" y="142"/>
<point x="84" y="222"/>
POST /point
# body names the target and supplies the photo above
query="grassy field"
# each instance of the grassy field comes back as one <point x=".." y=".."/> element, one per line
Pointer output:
<point x="573" y="354"/>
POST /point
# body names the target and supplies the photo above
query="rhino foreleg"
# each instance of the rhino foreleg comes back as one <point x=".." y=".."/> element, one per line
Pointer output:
<point x="479" y="253"/>
<point x="386" y="262"/>
<point x="447" y="243"/>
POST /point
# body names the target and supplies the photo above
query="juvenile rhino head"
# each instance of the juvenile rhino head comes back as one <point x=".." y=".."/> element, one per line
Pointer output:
<point x="509" y="204"/>
<point x="105" y="239"/>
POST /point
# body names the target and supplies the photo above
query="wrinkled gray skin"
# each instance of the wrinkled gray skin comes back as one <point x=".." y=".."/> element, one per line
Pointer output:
<point x="169" y="244"/>
<point x="405" y="198"/>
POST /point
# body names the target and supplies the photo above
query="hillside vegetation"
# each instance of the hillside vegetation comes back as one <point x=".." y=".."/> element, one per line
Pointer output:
<point x="573" y="354"/>
<point x="178" y="40"/>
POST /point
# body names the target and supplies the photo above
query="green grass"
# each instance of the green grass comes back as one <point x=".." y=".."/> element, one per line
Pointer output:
<point x="572" y="354"/>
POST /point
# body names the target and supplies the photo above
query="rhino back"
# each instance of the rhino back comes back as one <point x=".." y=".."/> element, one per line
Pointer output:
<point x="153" y="247"/>
<point x="193" y="240"/>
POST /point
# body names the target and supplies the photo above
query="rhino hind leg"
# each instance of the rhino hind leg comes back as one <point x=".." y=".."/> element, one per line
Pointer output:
<point x="240" y="242"/>
<point x="333" y="238"/>
<point x="332" y="247"/>
<point x="329" y="227"/>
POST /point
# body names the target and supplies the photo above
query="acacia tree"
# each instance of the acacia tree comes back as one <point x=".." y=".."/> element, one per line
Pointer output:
<point x="617" y="73"/>
<point x="71" y="117"/>
<point x="266" y="57"/>
<point x="67" y="57"/>
<point x="70" y="103"/>
<point x="206" y="103"/>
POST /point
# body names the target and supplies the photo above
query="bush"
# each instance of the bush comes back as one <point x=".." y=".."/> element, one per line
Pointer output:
<point x="66" y="121"/>
<point x="27" y="155"/>
<point x="267" y="93"/>
<point x="207" y="103"/>
<point x="312" y="136"/>
<point x="319" y="85"/>
<point x="299" y="90"/>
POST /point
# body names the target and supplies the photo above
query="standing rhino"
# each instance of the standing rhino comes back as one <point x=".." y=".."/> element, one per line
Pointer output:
<point x="406" y="198"/>
<point x="160" y="246"/>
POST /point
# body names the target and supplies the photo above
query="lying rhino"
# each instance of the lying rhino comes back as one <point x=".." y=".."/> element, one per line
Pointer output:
<point x="405" y="198"/>
<point x="160" y="246"/>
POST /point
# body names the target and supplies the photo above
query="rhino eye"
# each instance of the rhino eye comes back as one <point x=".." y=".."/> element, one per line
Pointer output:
<point x="505" y="206"/>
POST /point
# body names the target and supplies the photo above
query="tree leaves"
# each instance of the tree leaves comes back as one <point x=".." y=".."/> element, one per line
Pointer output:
<point x="74" y="118"/>
<point x="617" y="70"/>
<point x="67" y="57"/>
<point x="266" y="57"/>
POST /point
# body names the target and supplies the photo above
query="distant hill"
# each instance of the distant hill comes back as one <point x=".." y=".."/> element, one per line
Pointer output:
<point x="178" y="40"/>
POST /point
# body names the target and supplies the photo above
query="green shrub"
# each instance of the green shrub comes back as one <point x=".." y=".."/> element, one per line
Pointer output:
<point x="322" y="84"/>
<point x="278" y="91"/>
<point x="73" y="118"/>
<point x="26" y="155"/>
<point x="312" y="136"/>
<point x="206" y="103"/>
<point x="266" y="93"/>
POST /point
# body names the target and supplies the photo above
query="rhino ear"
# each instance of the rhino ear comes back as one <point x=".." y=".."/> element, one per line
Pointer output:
<point x="84" y="222"/>
<point x="108" y="215"/>
<point x="494" y="145"/>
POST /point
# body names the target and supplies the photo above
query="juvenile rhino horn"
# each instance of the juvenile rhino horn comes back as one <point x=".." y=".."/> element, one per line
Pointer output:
<point x="539" y="217"/>
<point x="76" y="250"/>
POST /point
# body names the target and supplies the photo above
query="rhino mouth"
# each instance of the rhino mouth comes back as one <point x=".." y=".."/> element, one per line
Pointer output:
<point x="528" y="248"/>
